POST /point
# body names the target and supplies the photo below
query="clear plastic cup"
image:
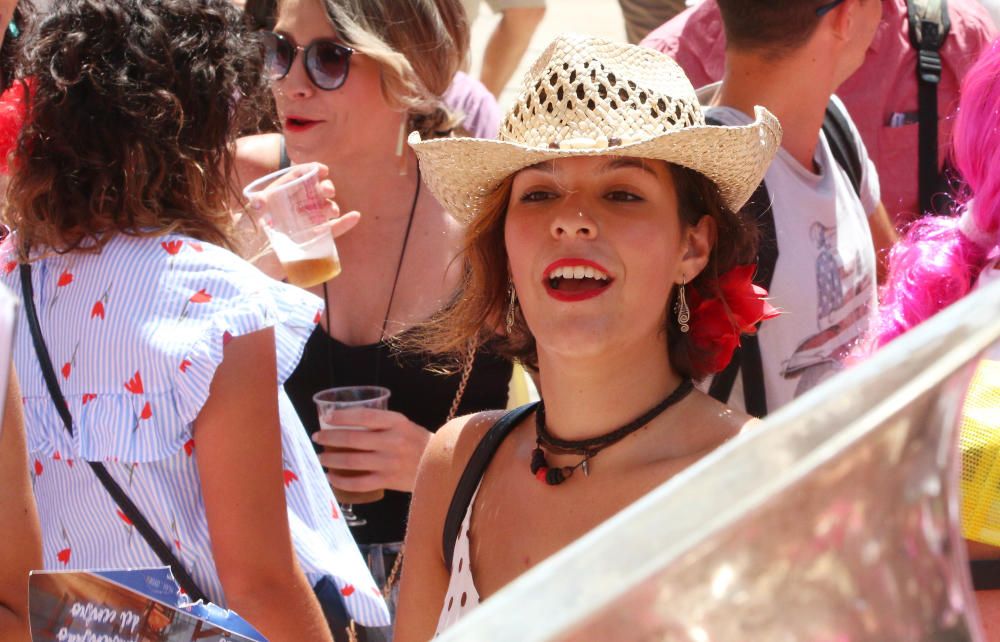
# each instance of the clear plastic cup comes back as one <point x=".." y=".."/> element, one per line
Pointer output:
<point x="294" y="217"/>
<point x="350" y="397"/>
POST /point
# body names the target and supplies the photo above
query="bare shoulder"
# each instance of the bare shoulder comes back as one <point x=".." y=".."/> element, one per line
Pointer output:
<point x="452" y="445"/>
<point x="256" y="156"/>
<point x="722" y="420"/>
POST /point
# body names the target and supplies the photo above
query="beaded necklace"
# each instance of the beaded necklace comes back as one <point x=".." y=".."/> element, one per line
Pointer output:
<point x="588" y="448"/>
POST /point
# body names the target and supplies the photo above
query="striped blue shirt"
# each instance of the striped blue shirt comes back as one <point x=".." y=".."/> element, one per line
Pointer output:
<point x="136" y="333"/>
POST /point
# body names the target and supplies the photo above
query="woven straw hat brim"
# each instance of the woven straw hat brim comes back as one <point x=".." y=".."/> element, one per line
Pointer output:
<point x="461" y="172"/>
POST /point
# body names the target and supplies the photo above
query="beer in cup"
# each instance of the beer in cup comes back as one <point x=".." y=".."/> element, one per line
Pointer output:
<point x="294" y="217"/>
<point x="340" y="399"/>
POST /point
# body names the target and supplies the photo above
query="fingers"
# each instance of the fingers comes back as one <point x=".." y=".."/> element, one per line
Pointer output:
<point x="355" y="439"/>
<point x="356" y="483"/>
<point x="355" y="460"/>
<point x="367" y="417"/>
<point x="344" y="224"/>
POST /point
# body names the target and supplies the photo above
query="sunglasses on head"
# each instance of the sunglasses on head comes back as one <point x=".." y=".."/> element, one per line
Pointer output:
<point x="327" y="61"/>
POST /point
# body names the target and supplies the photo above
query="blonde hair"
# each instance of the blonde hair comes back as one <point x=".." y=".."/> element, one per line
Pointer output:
<point x="419" y="44"/>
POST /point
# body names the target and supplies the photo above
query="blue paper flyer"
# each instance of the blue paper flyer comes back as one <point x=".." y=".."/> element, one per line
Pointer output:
<point x="140" y="605"/>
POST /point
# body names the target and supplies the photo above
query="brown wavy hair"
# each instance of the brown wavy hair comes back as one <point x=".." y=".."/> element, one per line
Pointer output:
<point x="131" y="116"/>
<point x="480" y="306"/>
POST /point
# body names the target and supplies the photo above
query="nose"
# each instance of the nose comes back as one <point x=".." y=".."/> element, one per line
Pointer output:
<point x="573" y="224"/>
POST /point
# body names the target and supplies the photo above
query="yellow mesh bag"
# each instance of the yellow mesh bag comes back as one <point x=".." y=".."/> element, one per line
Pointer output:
<point x="980" y="444"/>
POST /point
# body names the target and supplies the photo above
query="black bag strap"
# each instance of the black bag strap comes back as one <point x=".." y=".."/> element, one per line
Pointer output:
<point x="473" y="473"/>
<point x="842" y="144"/>
<point x="184" y="579"/>
<point x="929" y="26"/>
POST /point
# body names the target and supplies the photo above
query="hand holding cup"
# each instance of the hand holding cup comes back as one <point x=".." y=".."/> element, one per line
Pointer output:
<point x="296" y="209"/>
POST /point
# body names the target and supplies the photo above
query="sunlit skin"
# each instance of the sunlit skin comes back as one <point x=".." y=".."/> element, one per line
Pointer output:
<point x="603" y="360"/>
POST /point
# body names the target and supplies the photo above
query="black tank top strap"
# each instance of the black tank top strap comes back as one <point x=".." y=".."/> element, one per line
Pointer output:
<point x="473" y="474"/>
<point x="283" y="159"/>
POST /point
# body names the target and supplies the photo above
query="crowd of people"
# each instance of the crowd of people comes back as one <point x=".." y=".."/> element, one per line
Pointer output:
<point x="672" y="239"/>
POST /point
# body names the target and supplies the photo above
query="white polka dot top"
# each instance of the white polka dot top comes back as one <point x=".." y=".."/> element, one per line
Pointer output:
<point x="462" y="595"/>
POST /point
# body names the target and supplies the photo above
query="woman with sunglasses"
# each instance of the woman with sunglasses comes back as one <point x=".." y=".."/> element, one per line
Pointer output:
<point x="351" y="79"/>
<point x="151" y="357"/>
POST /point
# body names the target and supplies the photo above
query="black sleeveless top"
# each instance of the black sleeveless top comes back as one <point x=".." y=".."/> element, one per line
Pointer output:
<point x="422" y="396"/>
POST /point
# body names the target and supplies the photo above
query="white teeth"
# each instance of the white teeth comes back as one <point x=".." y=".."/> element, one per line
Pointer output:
<point x="578" y="272"/>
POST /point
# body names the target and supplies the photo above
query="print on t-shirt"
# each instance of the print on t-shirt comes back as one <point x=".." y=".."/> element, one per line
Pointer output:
<point x="843" y="295"/>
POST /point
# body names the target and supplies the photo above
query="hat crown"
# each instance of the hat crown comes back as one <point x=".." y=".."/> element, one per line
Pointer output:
<point x="586" y="92"/>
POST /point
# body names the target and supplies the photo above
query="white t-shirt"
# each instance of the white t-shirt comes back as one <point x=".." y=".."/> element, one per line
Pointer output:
<point x="824" y="280"/>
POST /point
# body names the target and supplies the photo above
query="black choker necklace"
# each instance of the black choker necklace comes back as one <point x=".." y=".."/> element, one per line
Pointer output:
<point x="589" y="447"/>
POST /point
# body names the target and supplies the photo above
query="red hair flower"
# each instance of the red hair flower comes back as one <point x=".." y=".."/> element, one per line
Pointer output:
<point x="718" y="322"/>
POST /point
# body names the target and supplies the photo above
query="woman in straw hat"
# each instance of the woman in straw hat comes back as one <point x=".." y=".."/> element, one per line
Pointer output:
<point x="603" y="245"/>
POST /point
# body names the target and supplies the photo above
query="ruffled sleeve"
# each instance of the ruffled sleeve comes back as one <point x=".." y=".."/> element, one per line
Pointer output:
<point x="136" y="334"/>
<point x="292" y="313"/>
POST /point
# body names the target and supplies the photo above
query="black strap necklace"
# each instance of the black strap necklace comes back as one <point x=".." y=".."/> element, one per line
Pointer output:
<point x="588" y="448"/>
<point x="392" y="292"/>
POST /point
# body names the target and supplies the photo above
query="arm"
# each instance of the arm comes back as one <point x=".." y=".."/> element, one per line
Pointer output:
<point x="424" y="576"/>
<point x="239" y="460"/>
<point x="20" y="550"/>
<point x="883" y="237"/>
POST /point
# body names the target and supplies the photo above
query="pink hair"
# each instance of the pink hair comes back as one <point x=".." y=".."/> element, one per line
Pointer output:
<point x="940" y="257"/>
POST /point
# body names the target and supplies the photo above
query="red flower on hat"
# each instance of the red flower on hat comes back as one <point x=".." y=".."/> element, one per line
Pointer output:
<point x="718" y="322"/>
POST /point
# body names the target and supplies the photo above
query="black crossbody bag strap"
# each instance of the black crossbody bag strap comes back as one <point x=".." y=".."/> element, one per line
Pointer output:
<point x="473" y="473"/>
<point x="162" y="550"/>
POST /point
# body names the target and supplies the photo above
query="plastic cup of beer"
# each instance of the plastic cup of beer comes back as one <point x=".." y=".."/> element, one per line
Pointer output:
<point x="340" y="399"/>
<point x="295" y="219"/>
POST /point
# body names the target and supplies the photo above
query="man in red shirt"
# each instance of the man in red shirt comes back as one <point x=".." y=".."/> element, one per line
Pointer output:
<point x="881" y="96"/>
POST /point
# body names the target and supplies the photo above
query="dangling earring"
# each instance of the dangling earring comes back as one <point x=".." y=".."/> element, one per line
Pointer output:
<point x="400" y="142"/>
<point x="681" y="308"/>
<point x="511" y="305"/>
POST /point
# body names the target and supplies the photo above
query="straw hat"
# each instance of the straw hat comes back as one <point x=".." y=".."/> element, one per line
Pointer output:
<point x="590" y="96"/>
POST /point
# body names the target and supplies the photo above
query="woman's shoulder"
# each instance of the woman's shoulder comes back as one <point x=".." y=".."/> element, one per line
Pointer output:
<point x="256" y="156"/>
<point x="717" y="421"/>
<point x="451" y="447"/>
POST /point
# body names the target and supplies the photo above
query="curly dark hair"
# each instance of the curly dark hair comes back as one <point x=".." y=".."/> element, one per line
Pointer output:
<point x="132" y="112"/>
<point x="482" y="300"/>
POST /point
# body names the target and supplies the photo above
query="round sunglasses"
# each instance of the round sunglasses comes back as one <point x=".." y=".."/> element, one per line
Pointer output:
<point x="327" y="61"/>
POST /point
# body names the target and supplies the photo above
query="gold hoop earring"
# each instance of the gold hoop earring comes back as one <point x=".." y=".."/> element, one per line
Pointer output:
<point x="681" y="308"/>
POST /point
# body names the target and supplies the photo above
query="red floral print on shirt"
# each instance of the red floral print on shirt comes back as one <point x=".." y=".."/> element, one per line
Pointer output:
<point x="199" y="297"/>
<point x="64" y="555"/>
<point x="134" y="385"/>
<point x="172" y="247"/>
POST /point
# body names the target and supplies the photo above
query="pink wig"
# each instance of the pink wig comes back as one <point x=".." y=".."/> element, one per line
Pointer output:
<point x="940" y="257"/>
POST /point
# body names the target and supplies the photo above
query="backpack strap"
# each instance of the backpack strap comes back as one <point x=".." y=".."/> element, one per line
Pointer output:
<point x="841" y="140"/>
<point x="473" y="474"/>
<point x="929" y="27"/>
<point x="747" y="357"/>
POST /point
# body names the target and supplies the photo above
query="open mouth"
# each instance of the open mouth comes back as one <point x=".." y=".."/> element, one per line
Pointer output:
<point x="294" y="123"/>
<point x="576" y="280"/>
